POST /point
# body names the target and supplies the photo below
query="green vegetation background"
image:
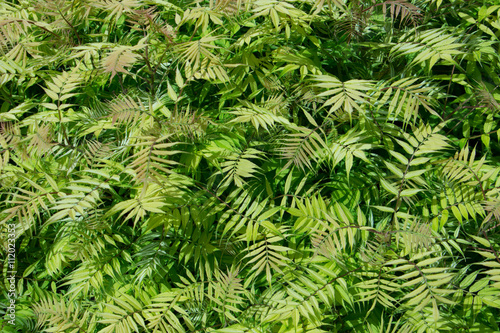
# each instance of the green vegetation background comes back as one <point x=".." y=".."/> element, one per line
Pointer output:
<point x="250" y="166"/>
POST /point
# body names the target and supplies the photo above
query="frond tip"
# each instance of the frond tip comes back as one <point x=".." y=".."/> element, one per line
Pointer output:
<point x="119" y="59"/>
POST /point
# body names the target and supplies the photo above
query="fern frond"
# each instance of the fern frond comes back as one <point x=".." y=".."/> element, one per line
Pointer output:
<point x="56" y="315"/>
<point x="265" y="255"/>
<point x="193" y="53"/>
<point x="346" y="96"/>
<point x="95" y="150"/>
<point x="463" y="167"/>
<point x="487" y="285"/>
<point x="88" y="276"/>
<point x="57" y="256"/>
<point x="463" y="201"/>
<point x="149" y="163"/>
<point x="258" y="116"/>
<point x="41" y="141"/>
<point x="320" y="5"/>
<point x="310" y="212"/>
<point x="429" y="46"/>
<point x="145" y="18"/>
<point x="188" y="123"/>
<point x="336" y="233"/>
<point x="302" y="148"/>
<point x="230" y="6"/>
<point x="9" y="69"/>
<point x="239" y="166"/>
<point x="315" y="290"/>
<point x="130" y="111"/>
<point x="10" y="34"/>
<point x="378" y="290"/>
<point x="346" y="147"/>
<point x="61" y="87"/>
<point x="429" y="282"/>
<point x="16" y="44"/>
<point x="85" y="196"/>
<point x="165" y="313"/>
<point x="149" y="257"/>
<point x="228" y="294"/>
<point x="25" y="205"/>
<point x="245" y="207"/>
<point x="493" y="209"/>
<point x="414" y="236"/>
<point x="119" y="58"/>
<point x="406" y="11"/>
<point x="116" y="8"/>
<point x="149" y="200"/>
<point x="208" y="70"/>
<point x="201" y="17"/>
<point x="125" y="315"/>
<point x="9" y="133"/>
<point x="487" y="98"/>
<point x="406" y="96"/>
<point x="350" y="25"/>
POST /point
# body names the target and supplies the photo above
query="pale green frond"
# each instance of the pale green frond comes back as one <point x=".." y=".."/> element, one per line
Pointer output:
<point x="406" y="97"/>
<point x="258" y="116"/>
<point x="302" y="148"/>
<point x="57" y="315"/>
<point x="124" y="314"/>
<point x="119" y="58"/>
<point x="194" y="52"/>
<point x="344" y="97"/>
<point x="62" y="87"/>
<point x="429" y="46"/>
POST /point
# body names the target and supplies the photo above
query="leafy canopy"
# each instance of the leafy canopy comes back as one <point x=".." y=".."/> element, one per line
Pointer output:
<point x="250" y="166"/>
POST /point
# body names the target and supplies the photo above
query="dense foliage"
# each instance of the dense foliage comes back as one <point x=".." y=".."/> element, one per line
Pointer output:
<point x="250" y="165"/>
